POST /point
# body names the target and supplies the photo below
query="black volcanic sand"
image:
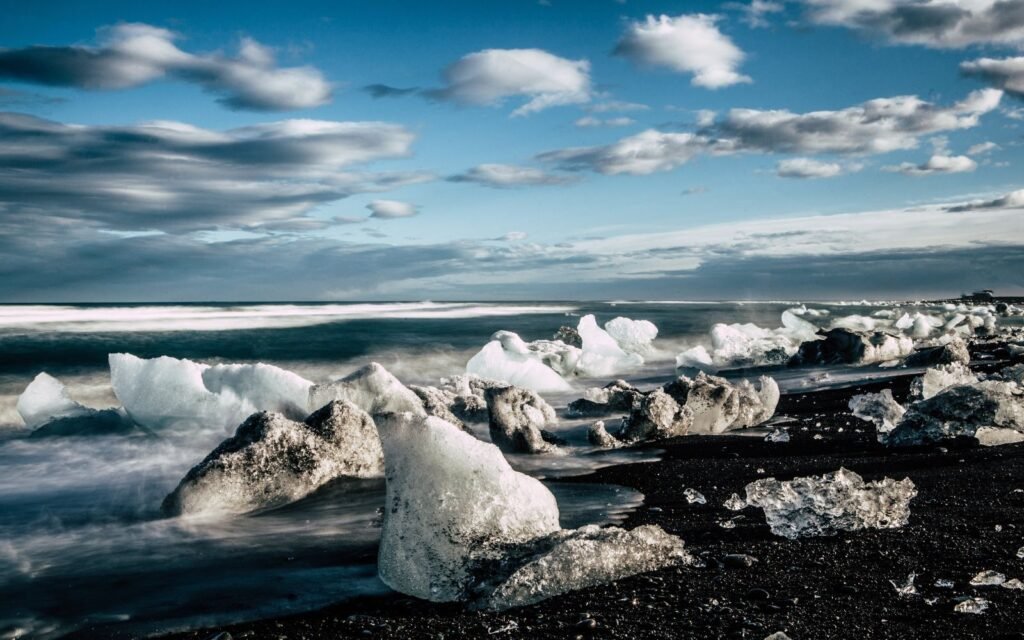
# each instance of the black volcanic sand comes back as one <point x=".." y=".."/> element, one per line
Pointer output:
<point x="968" y="517"/>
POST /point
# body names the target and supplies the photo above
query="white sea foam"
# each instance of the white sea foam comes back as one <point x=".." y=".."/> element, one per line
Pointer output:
<point x="159" y="318"/>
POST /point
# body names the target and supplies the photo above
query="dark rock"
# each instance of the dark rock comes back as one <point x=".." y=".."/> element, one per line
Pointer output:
<point x="103" y="422"/>
<point x="953" y="352"/>
<point x="570" y="336"/>
<point x="517" y="419"/>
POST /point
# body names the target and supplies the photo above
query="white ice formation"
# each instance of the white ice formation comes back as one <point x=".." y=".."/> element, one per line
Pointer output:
<point x="544" y="365"/>
<point x="46" y="399"/>
<point x="167" y="392"/>
<point x="461" y="525"/>
<point x="825" y="505"/>
<point x="371" y="388"/>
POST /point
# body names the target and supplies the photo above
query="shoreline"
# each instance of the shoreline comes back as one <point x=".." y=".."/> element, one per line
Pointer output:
<point x="834" y="587"/>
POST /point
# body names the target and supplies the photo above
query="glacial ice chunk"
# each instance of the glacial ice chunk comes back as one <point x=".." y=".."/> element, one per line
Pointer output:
<point x="940" y="378"/>
<point x="448" y="496"/>
<point x="371" y="388"/>
<point x="617" y="395"/>
<point x="971" y="605"/>
<point x="46" y="399"/>
<point x="825" y="505"/>
<point x="494" y="362"/>
<point x="632" y="336"/>
<point x="598" y="436"/>
<point x="272" y="461"/>
<point x="881" y="409"/>
<point x="585" y="557"/>
<point x="718" y="405"/>
<point x="960" y="411"/>
<point x="518" y="418"/>
<point x="693" y="496"/>
<point x="748" y="345"/>
<point x="952" y="352"/>
<point x="988" y="578"/>
<point x="166" y="392"/>
<point x="843" y="346"/>
<point x="260" y="387"/>
<point x="654" y="416"/>
<point x="602" y="355"/>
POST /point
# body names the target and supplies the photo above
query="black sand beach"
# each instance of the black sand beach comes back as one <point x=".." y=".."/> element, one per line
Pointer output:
<point x="968" y="517"/>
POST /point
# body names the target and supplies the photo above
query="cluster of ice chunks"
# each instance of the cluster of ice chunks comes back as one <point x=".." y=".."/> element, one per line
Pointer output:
<point x="587" y="350"/>
<point x="828" y="504"/>
<point x="461" y="525"/>
<point x="747" y="345"/>
<point x="702" y="405"/>
<point x="843" y="346"/>
<point x="949" y="402"/>
<point x="166" y="392"/>
<point x="271" y="461"/>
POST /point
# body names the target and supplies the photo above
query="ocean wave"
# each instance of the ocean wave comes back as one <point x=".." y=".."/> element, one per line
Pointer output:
<point x="162" y="318"/>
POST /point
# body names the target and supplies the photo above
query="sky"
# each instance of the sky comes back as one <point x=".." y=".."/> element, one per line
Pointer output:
<point x="455" y="150"/>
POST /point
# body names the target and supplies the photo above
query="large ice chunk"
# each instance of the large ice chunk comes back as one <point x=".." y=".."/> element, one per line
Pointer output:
<point x="718" y="405"/>
<point x="656" y="415"/>
<point x="952" y="352"/>
<point x="518" y="418"/>
<point x="633" y="336"/>
<point x="46" y="399"/>
<point x="602" y="355"/>
<point x="748" y="345"/>
<point x="271" y="461"/>
<point x="261" y="387"/>
<point x="515" y="367"/>
<point x="960" y="411"/>
<point x="165" y="392"/>
<point x="448" y="496"/>
<point x="585" y="557"/>
<point x="371" y="388"/>
<point x="825" y="505"/>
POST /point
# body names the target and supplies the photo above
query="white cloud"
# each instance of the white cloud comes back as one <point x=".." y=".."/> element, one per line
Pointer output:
<point x="491" y="76"/>
<point x="1005" y="73"/>
<point x="874" y="127"/>
<point x="391" y="209"/>
<point x="807" y="168"/>
<point x="616" y="105"/>
<point x="937" y="163"/>
<point x="591" y="122"/>
<point x="755" y="12"/>
<point x="686" y="44"/>
<point x="514" y="236"/>
<point x="981" y="148"/>
<point x="931" y="23"/>
<point x="1012" y="200"/>
<point x="505" y="176"/>
<point x="647" y="152"/>
<point x="130" y="55"/>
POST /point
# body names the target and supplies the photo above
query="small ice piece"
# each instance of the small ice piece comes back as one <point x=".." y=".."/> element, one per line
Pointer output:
<point x="633" y="336"/>
<point x="881" y="409"/>
<point x="602" y="355"/>
<point x="994" y="436"/>
<point x="617" y="395"/>
<point x="906" y="588"/>
<point x="971" y="605"/>
<point x="937" y="379"/>
<point x="825" y="505"/>
<point x="1020" y="553"/>
<point x="942" y="583"/>
<point x="988" y="578"/>
<point x="447" y="494"/>
<point x="735" y="503"/>
<point x="371" y="388"/>
<point x="1013" y="583"/>
<point x="494" y="362"/>
<point x="777" y="435"/>
<point x="46" y="399"/>
<point x="598" y="436"/>
<point x="518" y="418"/>
<point x="695" y="358"/>
<point x="727" y="524"/>
<point x="694" y="497"/>
<point x="589" y="556"/>
<point x="778" y="635"/>
<point x="272" y="461"/>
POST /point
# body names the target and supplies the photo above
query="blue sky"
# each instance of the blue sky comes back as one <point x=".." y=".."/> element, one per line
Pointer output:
<point x="463" y="239"/>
